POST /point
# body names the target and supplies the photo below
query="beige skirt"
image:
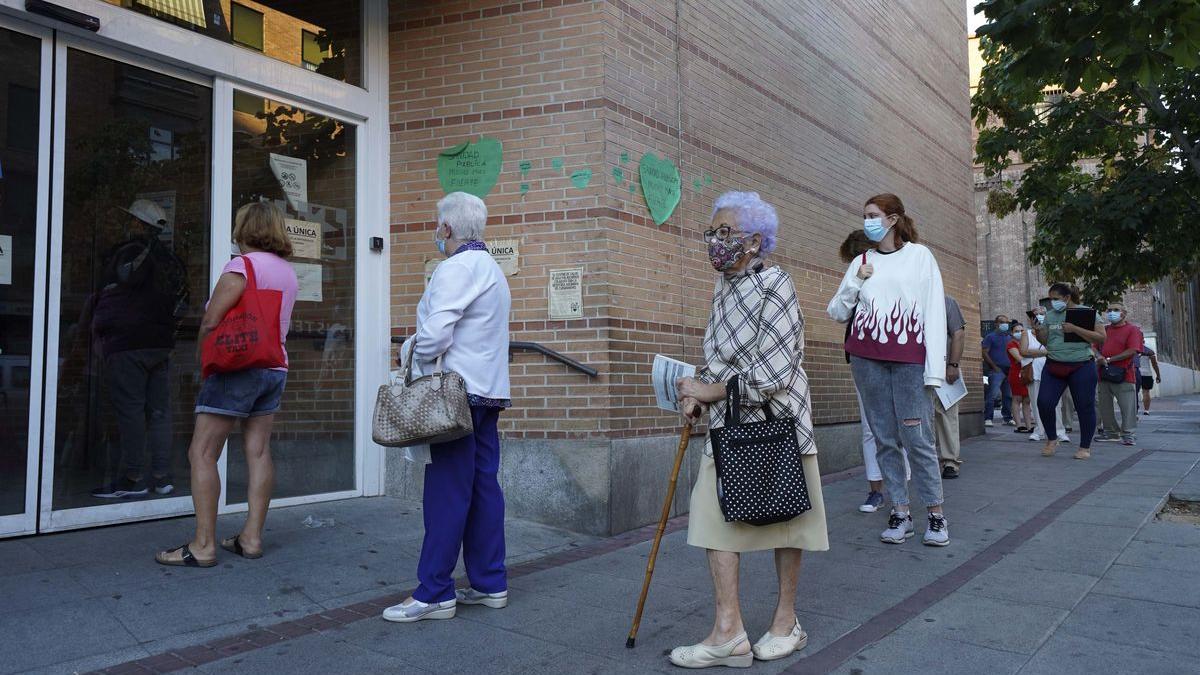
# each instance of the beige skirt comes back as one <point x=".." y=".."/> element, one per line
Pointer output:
<point x="707" y="527"/>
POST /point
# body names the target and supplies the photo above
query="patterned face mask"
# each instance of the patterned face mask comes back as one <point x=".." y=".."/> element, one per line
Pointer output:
<point x="725" y="254"/>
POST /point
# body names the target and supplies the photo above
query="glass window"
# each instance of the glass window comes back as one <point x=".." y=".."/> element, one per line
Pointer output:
<point x="305" y="164"/>
<point x="247" y="26"/>
<point x="319" y="35"/>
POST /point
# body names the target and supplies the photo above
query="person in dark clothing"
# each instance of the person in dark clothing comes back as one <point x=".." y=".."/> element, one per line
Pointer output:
<point x="995" y="367"/>
<point x="133" y="319"/>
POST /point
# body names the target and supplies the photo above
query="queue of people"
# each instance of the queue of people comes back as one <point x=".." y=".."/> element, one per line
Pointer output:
<point x="896" y="312"/>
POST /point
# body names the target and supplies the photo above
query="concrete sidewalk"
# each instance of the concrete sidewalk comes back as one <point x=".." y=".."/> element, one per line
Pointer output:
<point x="1056" y="566"/>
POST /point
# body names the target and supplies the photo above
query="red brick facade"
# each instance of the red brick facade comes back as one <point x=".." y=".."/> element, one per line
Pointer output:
<point x="816" y="105"/>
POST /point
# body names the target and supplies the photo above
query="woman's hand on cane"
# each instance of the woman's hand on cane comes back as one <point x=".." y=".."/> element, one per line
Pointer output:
<point x="691" y="409"/>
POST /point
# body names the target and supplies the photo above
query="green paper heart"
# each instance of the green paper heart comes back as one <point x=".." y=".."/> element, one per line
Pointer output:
<point x="618" y="175"/>
<point x="581" y="178"/>
<point x="525" y="167"/>
<point x="524" y="188"/>
<point x="707" y="180"/>
<point x="471" y="167"/>
<point x="557" y="163"/>
<point x="624" y="157"/>
<point x="661" y="186"/>
<point x="696" y="185"/>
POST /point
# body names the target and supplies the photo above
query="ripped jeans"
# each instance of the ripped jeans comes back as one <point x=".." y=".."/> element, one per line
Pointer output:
<point x="900" y="414"/>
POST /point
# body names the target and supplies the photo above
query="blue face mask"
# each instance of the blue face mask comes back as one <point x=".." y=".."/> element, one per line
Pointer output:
<point x="1058" y="305"/>
<point x="874" y="229"/>
<point x="1003" y="327"/>
<point x="1114" y="317"/>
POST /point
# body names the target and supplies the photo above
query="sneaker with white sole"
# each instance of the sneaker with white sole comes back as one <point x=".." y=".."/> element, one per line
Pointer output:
<point x="1035" y="436"/>
<point x="470" y="596"/>
<point x="874" y="502"/>
<point x="414" y="610"/>
<point x="937" y="534"/>
<point x="899" y="529"/>
<point x="988" y="423"/>
<point x="1064" y="438"/>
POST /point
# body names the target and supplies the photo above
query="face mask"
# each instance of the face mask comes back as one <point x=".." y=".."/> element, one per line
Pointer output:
<point x="1114" y="317"/>
<point x="1018" y="334"/>
<point x="1041" y="318"/>
<point x="1058" y="305"/>
<point x="725" y="254"/>
<point x="441" y="245"/>
<point x="874" y="229"/>
<point x="1003" y="327"/>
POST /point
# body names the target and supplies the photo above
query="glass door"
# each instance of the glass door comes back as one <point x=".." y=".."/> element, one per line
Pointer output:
<point x="24" y="96"/>
<point x="130" y="257"/>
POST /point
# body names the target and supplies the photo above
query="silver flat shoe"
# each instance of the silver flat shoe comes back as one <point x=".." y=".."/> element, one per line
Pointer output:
<point x="414" y="610"/>
<point x="470" y="596"/>
<point x="707" y="656"/>
<point x="771" y="647"/>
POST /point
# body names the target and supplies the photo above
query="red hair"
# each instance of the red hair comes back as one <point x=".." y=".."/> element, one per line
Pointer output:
<point x="891" y="205"/>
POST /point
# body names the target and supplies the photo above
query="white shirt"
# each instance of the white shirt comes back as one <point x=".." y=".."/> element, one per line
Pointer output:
<point x="463" y="315"/>
<point x="1038" y="363"/>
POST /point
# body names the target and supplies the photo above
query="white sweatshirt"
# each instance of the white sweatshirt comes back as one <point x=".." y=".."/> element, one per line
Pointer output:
<point x="894" y="310"/>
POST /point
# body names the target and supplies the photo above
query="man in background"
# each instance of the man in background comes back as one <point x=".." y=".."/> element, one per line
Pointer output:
<point x="996" y="363"/>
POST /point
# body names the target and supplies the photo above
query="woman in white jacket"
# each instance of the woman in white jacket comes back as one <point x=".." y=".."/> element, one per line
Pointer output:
<point x="896" y="306"/>
<point x="463" y="319"/>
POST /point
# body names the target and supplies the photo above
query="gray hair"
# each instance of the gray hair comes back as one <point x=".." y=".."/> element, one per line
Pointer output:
<point x="754" y="216"/>
<point x="465" y="213"/>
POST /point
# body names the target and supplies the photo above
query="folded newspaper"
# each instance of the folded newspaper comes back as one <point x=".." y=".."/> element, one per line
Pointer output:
<point x="952" y="393"/>
<point x="665" y="374"/>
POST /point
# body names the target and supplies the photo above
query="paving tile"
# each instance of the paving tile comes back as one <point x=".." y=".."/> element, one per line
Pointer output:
<point x="1149" y="583"/>
<point x="1065" y="654"/>
<point x="1161" y="556"/>
<point x="316" y="655"/>
<point x="349" y="572"/>
<point x="1139" y="623"/>
<point x="928" y="649"/>
<point x="1119" y="517"/>
<point x="18" y="557"/>
<point x="1008" y="580"/>
<point x="992" y="623"/>
<point x="36" y="640"/>
<point x="32" y="590"/>
<point x="1167" y="532"/>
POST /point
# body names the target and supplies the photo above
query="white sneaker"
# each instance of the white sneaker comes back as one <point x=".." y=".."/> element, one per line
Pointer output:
<point x="988" y="423"/>
<point x="1035" y="436"/>
<point x="414" y="610"/>
<point x="900" y="528"/>
<point x="937" y="534"/>
<point x="1064" y="438"/>
<point x="470" y="596"/>
<point x="1010" y="423"/>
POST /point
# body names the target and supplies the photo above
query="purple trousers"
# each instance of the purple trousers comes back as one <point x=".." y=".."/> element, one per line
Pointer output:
<point x="464" y="511"/>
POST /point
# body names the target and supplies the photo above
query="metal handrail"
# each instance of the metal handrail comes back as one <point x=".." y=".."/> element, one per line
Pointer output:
<point x="539" y="348"/>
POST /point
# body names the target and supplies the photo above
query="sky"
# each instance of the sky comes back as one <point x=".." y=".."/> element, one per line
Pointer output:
<point x="973" y="21"/>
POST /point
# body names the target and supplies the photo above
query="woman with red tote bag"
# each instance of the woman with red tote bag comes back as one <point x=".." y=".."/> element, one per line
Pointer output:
<point x="244" y="365"/>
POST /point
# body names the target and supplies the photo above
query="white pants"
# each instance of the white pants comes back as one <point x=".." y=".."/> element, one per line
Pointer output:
<point x="868" y="444"/>
<point x="1058" y="419"/>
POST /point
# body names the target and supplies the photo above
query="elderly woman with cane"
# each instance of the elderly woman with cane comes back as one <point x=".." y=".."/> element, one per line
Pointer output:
<point x="463" y="320"/>
<point x="755" y="337"/>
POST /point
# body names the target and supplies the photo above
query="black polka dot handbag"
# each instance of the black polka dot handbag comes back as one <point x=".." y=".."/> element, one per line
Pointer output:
<point x="760" y="478"/>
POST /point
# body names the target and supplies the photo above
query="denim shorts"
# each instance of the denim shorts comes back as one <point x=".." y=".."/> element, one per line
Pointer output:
<point x="245" y="393"/>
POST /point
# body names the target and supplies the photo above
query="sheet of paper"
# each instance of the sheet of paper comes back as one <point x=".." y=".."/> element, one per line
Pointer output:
<point x="305" y="236"/>
<point x="566" y="293"/>
<point x="952" y="393"/>
<point x="506" y="253"/>
<point x="6" y="258"/>
<point x="308" y="278"/>
<point x="292" y="174"/>
<point x="665" y="373"/>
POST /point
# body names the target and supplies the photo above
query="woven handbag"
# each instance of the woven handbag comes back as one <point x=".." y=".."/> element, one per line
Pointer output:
<point x="760" y="477"/>
<point x="421" y="411"/>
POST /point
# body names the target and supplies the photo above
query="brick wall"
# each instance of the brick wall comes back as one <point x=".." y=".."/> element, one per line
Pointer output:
<point x="817" y="105"/>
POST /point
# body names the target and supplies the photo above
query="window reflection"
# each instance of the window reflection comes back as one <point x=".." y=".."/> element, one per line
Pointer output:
<point x="319" y="35"/>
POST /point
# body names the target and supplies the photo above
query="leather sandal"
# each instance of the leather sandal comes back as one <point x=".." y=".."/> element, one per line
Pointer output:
<point x="771" y="647"/>
<point x="707" y="656"/>
<point x="186" y="559"/>
<point x="234" y="545"/>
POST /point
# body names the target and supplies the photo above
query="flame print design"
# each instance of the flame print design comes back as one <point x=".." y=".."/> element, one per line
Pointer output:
<point x="896" y="334"/>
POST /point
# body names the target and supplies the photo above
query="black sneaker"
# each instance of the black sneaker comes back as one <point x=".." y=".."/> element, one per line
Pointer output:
<point x="949" y="471"/>
<point x="121" y="489"/>
<point x="163" y="485"/>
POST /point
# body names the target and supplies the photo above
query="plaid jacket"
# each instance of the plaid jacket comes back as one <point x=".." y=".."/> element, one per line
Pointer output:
<point x="756" y="331"/>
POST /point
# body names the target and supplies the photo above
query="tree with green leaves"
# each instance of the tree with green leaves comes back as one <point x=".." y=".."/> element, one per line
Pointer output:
<point x="1129" y="71"/>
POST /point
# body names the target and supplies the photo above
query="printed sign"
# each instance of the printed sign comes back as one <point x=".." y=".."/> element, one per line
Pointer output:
<point x="6" y="258"/>
<point x="305" y="236"/>
<point x="661" y="186"/>
<point x="308" y="278"/>
<point x="471" y="167"/>
<point x="664" y="374"/>
<point x="506" y="252"/>
<point x="292" y="174"/>
<point x="566" y="293"/>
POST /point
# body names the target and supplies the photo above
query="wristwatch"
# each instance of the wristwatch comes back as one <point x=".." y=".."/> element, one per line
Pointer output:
<point x="953" y="365"/>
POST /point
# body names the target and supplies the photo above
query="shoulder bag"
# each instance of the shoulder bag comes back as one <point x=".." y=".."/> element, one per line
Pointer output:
<point x="422" y="411"/>
<point x="760" y="477"/>
<point x="248" y="336"/>
<point x="1113" y="374"/>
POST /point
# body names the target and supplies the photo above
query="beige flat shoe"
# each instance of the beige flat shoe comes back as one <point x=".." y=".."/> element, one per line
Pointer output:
<point x="771" y="647"/>
<point x="707" y="656"/>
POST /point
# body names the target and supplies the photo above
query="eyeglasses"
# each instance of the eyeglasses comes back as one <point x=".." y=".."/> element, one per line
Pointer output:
<point x="721" y="233"/>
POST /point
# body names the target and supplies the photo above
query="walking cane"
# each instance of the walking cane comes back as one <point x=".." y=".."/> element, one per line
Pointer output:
<point x="684" y="437"/>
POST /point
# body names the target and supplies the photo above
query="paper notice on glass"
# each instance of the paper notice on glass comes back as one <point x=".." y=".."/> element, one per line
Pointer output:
<point x="292" y="174"/>
<point x="952" y="393"/>
<point x="566" y="293"/>
<point x="305" y="236"/>
<point x="6" y="258"/>
<point x="665" y="373"/>
<point x="308" y="278"/>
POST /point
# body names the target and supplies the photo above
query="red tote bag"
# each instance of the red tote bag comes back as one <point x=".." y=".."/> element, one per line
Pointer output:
<point x="248" y="336"/>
